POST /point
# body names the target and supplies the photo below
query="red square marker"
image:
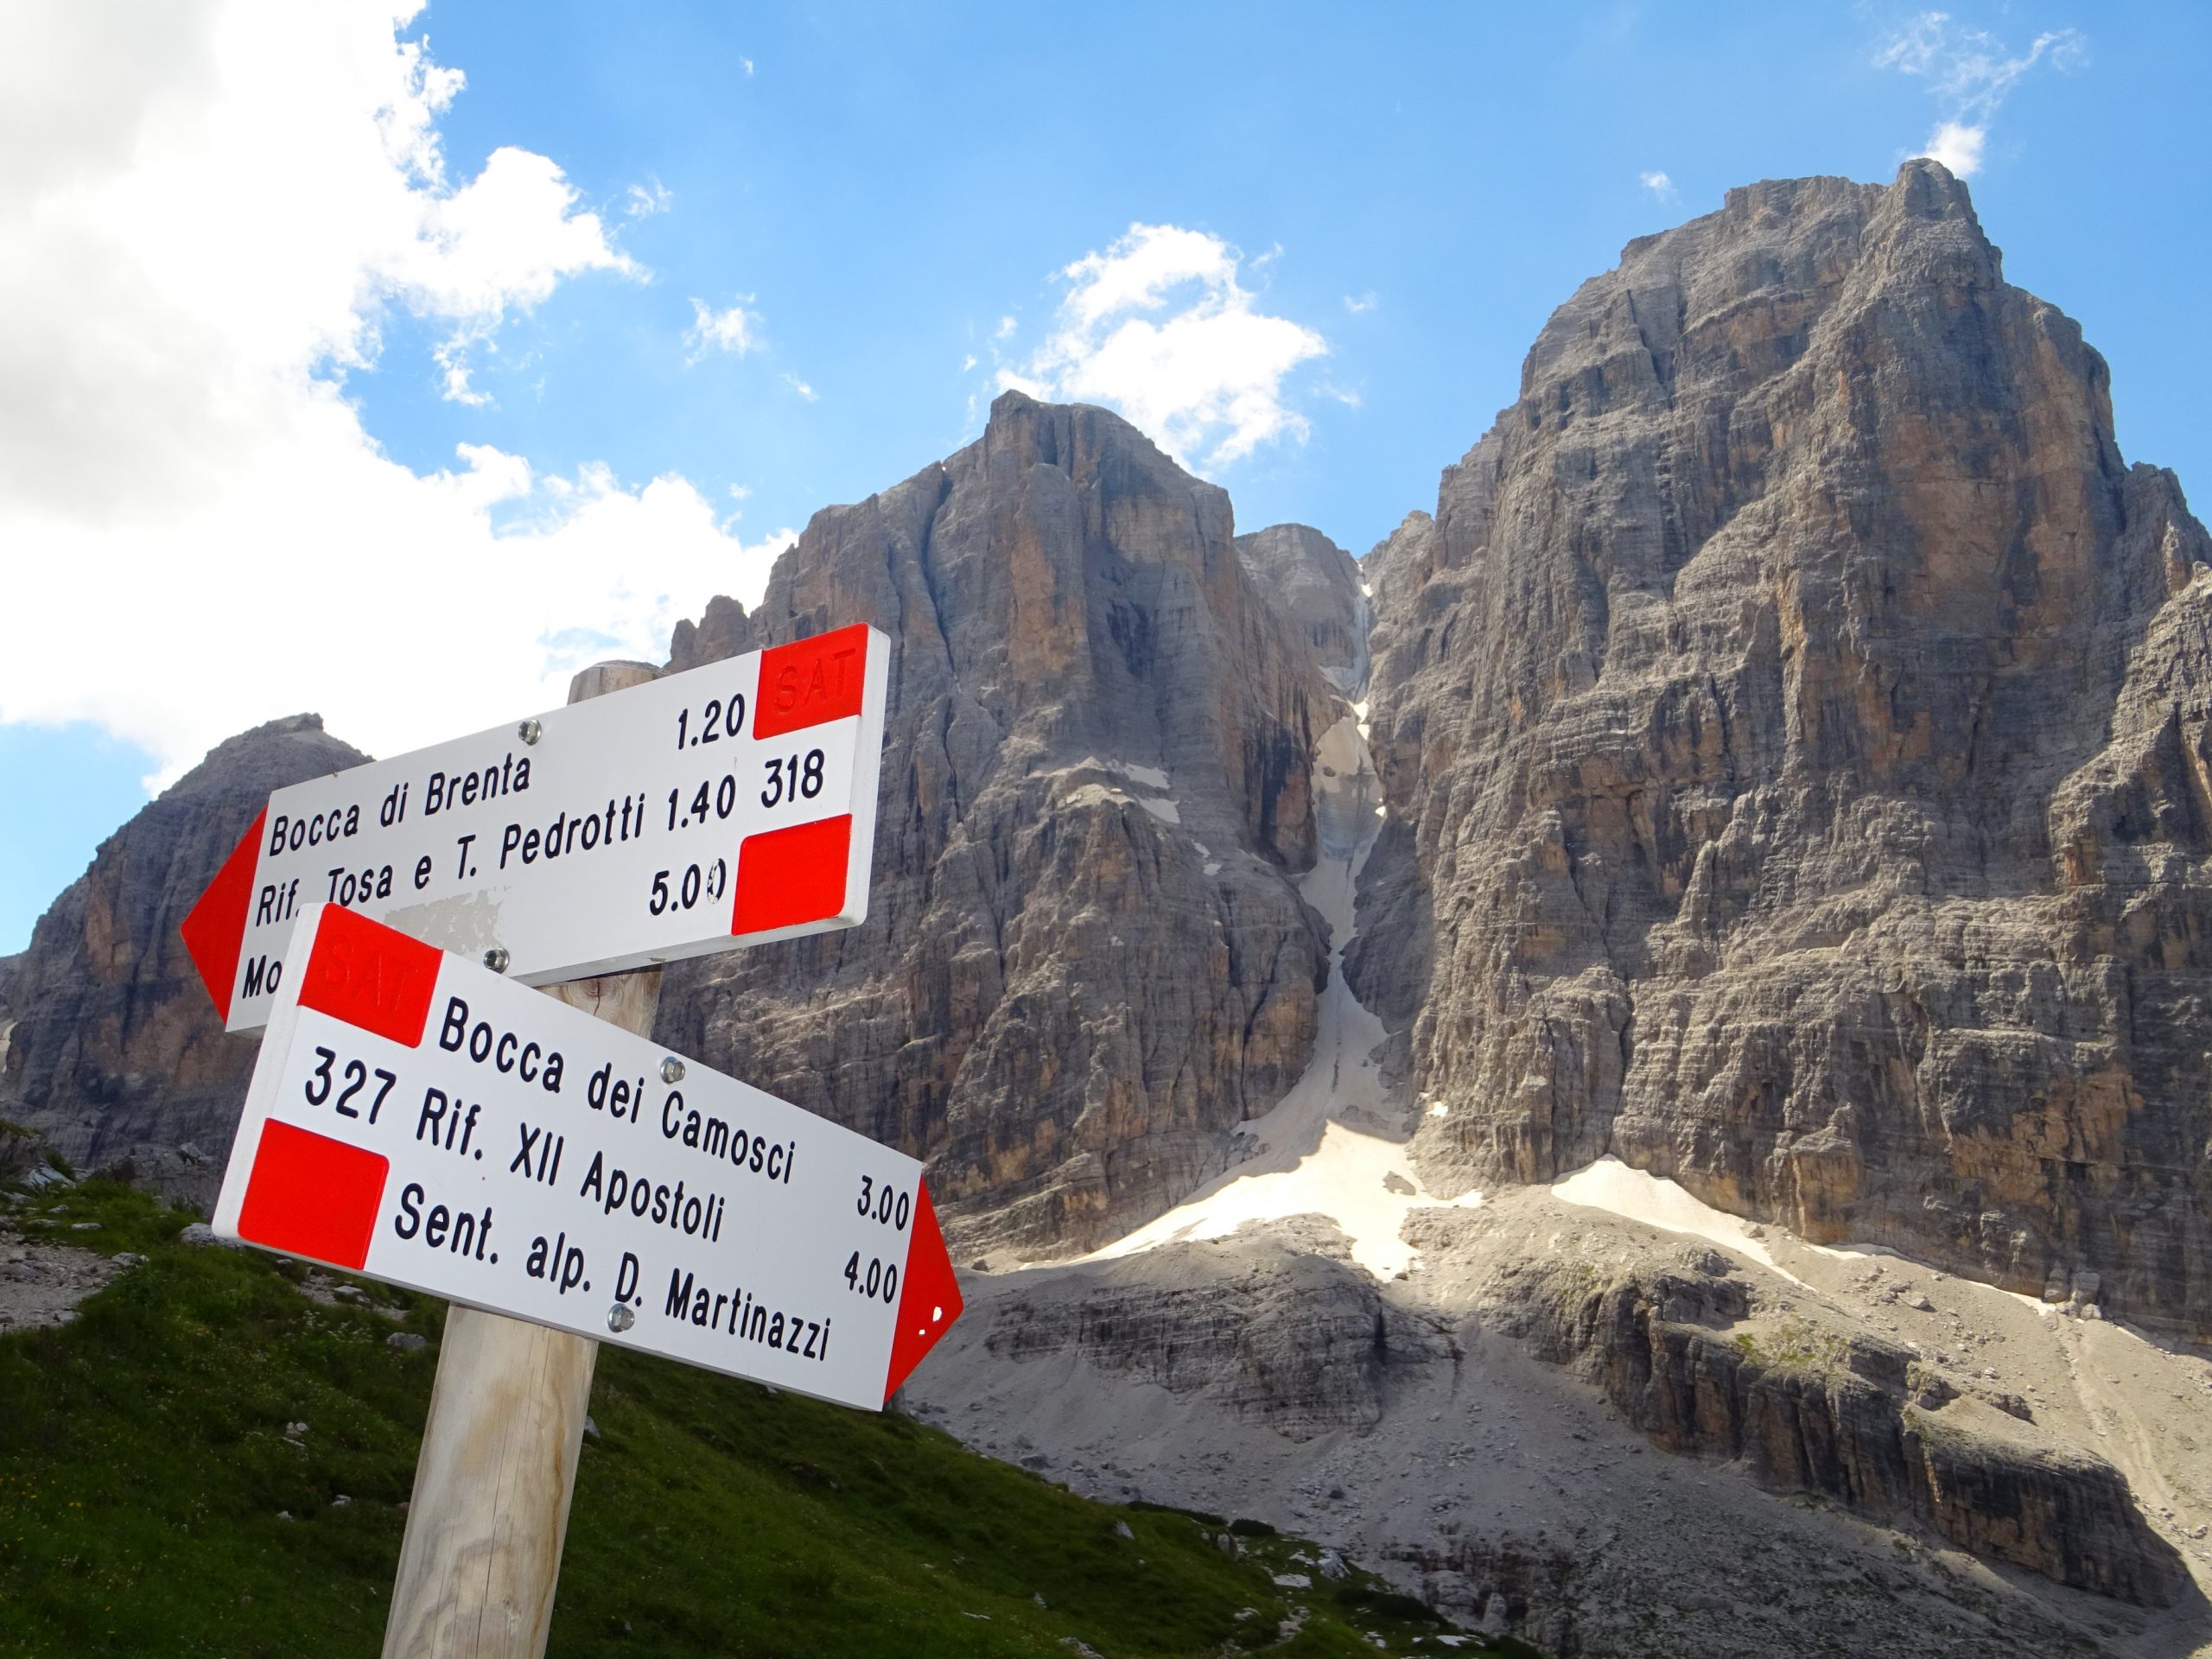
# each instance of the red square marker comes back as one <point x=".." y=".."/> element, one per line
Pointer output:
<point x="810" y="680"/>
<point x="788" y="876"/>
<point x="371" y="976"/>
<point x="311" y="1196"/>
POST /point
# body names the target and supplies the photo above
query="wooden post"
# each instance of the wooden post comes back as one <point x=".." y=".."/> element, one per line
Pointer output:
<point x="482" y="1553"/>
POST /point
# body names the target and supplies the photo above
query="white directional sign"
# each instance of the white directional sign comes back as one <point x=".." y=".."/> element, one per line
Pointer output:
<point x="726" y="806"/>
<point x="420" y="1120"/>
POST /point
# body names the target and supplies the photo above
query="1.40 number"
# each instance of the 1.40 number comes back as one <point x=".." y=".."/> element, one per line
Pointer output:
<point x="792" y="779"/>
<point x="721" y="802"/>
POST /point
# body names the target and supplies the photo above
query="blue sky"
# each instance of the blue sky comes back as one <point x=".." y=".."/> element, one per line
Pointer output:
<point x="412" y="394"/>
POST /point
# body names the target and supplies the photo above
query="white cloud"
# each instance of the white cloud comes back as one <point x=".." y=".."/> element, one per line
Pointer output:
<point x="643" y="201"/>
<point x="746" y="64"/>
<point x="1970" y="73"/>
<point x="801" y="387"/>
<point x="720" y="331"/>
<point x="1007" y="325"/>
<point x="1658" y="184"/>
<point x="1161" y="328"/>
<point x="1364" y="303"/>
<point x="1958" y="146"/>
<point x="204" y="208"/>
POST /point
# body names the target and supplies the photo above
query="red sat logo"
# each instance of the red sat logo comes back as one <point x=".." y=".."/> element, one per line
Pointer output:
<point x="809" y="681"/>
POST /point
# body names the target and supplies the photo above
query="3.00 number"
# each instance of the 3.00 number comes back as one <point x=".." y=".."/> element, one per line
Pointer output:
<point x="878" y="1279"/>
<point x="357" y="1076"/>
<point x="892" y="1208"/>
<point x="793" y="779"/>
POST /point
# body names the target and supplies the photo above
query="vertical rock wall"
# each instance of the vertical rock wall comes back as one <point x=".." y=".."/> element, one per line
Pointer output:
<point x="1085" y="961"/>
<point x="116" y="1052"/>
<point x="1794" y="720"/>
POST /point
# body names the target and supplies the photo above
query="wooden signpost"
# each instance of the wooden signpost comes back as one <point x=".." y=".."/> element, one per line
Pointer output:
<point x="417" y="1115"/>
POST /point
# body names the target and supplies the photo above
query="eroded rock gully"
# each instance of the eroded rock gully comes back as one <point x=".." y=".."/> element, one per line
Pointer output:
<point x="1794" y="720"/>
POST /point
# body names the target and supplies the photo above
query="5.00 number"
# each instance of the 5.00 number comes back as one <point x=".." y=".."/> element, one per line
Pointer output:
<point x="713" y="882"/>
<point x="878" y="1279"/>
<point x="793" y="779"/>
<point x="892" y="1208"/>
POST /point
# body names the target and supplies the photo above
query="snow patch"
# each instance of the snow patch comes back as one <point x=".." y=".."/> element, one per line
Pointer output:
<point x="1655" y="1201"/>
<point x="1609" y="1184"/>
<point x="1150" y="776"/>
<point x="1166" y="811"/>
<point x="1320" y="1151"/>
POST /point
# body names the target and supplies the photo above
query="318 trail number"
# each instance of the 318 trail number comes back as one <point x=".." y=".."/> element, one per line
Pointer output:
<point x="793" y="778"/>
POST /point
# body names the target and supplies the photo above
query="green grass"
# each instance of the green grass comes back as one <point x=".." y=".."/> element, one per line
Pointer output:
<point x="1794" y="1344"/>
<point x="151" y="1500"/>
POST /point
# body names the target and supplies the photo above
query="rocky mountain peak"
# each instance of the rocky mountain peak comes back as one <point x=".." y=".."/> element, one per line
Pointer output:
<point x="1783" y="685"/>
<point x="115" y="1051"/>
<point x="1315" y="586"/>
<point x="1086" y="962"/>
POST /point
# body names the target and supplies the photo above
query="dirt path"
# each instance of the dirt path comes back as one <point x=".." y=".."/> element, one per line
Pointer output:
<point x="42" y="1280"/>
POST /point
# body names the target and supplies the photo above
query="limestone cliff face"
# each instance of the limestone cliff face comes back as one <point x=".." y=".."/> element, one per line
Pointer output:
<point x="116" y="1053"/>
<point x="1316" y="588"/>
<point x="1794" y="726"/>
<point x="1847" y="1415"/>
<point x="1085" y="961"/>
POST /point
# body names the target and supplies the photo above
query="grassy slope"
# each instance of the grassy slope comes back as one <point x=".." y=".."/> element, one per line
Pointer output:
<point x="151" y="1500"/>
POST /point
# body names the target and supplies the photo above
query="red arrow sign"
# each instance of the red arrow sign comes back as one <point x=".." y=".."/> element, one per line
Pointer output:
<point x="420" y="1120"/>
<point x="723" y="807"/>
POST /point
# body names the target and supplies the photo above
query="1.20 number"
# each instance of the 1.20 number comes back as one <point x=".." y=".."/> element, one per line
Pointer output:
<point x="716" y="722"/>
<point x="792" y="779"/>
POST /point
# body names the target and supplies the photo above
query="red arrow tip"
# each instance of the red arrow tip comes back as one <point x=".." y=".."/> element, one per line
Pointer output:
<point x="216" y="928"/>
<point x="929" y="1296"/>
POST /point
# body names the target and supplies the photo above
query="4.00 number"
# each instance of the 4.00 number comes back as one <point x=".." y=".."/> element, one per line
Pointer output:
<point x="878" y="1279"/>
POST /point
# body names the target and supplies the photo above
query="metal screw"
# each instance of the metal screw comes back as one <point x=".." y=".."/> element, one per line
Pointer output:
<point x="620" y="1318"/>
<point x="497" y="958"/>
<point x="671" y="1070"/>
<point x="530" y="731"/>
